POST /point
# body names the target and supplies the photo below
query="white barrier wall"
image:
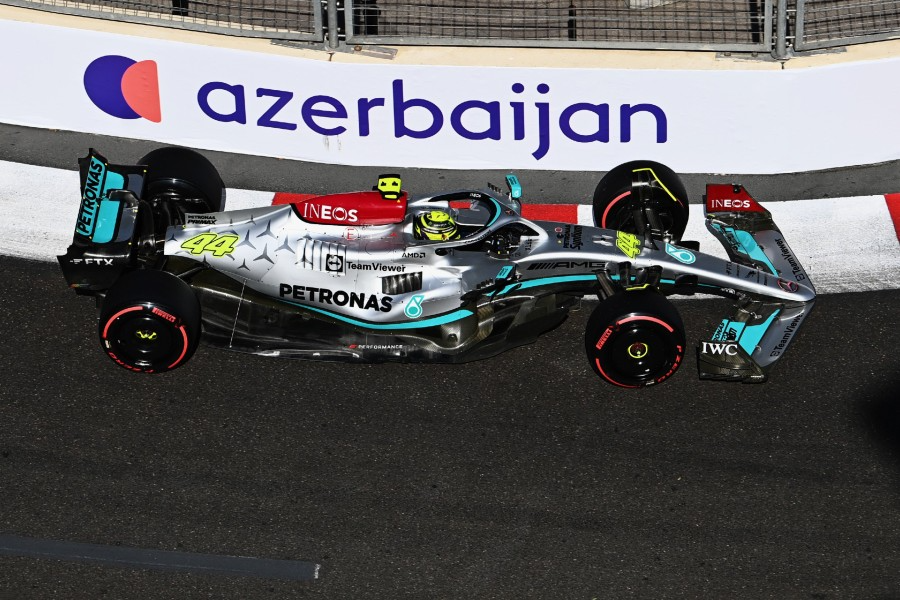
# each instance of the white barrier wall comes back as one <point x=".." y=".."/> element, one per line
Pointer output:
<point x="738" y="121"/>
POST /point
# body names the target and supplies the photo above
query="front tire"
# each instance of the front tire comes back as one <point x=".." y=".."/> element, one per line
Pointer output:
<point x="150" y="322"/>
<point x="620" y="204"/>
<point x="635" y="338"/>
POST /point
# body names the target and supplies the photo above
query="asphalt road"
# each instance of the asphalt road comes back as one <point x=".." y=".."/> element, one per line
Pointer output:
<point x="520" y="476"/>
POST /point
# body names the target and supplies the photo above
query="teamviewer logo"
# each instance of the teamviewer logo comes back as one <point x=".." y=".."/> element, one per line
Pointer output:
<point x="124" y="88"/>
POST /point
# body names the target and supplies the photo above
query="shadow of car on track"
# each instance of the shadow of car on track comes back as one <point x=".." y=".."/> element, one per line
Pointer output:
<point x="879" y="410"/>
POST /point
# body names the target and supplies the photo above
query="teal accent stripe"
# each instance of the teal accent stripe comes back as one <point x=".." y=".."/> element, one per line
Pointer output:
<point x="114" y="181"/>
<point x="515" y="188"/>
<point x="101" y="225"/>
<point x="752" y="249"/>
<point x="440" y="320"/>
<point x="521" y="285"/>
<point x="497" y="214"/>
<point x="107" y="218"/>
<point x="754" y="333"/>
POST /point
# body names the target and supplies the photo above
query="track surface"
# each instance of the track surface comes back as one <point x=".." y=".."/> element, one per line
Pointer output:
<point x="520" y="476"/>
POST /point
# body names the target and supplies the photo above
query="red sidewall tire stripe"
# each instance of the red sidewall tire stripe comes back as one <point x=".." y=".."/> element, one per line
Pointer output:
<point x="181" y="328"/>
<point x="116" y="316"/>
<point x="610" y="379"/>
<point x="673" y="368"/>
<point x="184" y="347"/>
<point x="646" y="318"/>
<point x="610" y="205"/>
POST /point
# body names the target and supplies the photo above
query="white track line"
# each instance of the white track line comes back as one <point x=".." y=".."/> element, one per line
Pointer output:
<point x="846" y="244"/>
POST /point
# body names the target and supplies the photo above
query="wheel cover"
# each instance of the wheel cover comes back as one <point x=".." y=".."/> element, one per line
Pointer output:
<point x="637" y="351"/>
<point x="145" y="338"/>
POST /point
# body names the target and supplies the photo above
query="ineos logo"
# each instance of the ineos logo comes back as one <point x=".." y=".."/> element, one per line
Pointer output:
<point x="729" y="203"/>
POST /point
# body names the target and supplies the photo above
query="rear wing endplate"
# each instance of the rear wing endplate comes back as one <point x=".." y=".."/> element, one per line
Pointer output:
<point x="98" y="216"/>
<point x="103" y="242"/>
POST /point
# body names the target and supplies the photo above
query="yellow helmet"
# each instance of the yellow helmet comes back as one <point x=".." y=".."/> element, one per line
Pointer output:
<point x="436" y="225"/>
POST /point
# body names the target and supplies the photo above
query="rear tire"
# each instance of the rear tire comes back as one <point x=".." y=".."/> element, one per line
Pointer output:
<point x="635" y="338"/>
<point x="180" y="181"/>
<point x="616" y="203"/>
<point x="185" y="175"/>
<point x="149" y="322"/>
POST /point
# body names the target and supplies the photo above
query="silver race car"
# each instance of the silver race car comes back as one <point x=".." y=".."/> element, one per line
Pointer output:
<point x="379" y="275"/>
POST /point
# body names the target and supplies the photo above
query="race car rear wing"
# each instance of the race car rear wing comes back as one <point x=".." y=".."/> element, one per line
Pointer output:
<point x="102" y="244"/>
<point x="759" y="329"/>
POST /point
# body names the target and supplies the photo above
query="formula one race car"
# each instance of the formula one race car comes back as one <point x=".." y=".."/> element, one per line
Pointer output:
<point x="377" y="276"/>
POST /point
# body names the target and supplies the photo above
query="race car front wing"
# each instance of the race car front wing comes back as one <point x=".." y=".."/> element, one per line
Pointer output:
<point x="759" y="330"/>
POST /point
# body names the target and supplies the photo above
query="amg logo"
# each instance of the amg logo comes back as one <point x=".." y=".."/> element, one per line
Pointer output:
<point x="587" y="265"/>
<point x="719" y="348"/>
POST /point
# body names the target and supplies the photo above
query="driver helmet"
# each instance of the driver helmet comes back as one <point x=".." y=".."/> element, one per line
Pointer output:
<point x="435" y="225"/>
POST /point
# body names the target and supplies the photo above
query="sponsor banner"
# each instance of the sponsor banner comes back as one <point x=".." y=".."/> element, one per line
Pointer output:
<point x="737" y="121"/>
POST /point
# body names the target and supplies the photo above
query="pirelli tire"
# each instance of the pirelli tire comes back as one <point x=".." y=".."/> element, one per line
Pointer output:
<point x="149" y="322"/>
<point x="635" y="338"/>
<point x="616" y="205"/>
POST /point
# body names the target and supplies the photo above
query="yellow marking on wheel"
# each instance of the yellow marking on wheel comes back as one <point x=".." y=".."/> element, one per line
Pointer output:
<point x="659" y="181"/>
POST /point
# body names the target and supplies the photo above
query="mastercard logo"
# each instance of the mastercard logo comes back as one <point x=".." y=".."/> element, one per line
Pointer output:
<point x="124" y="88"/>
